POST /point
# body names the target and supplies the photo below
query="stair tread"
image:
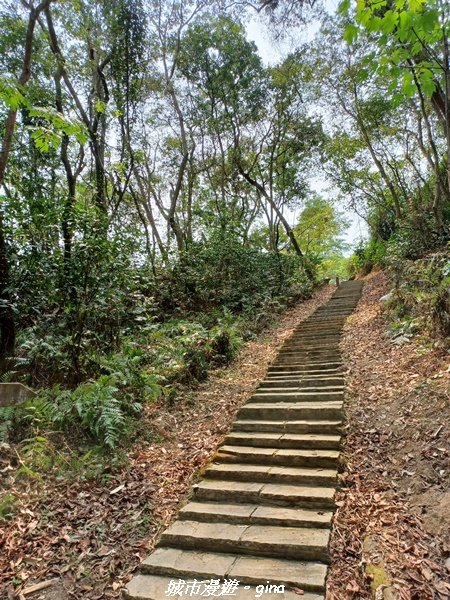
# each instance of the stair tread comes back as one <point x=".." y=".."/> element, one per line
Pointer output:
<point x="304" y="543"/>
<point x="284" y="436"/>
<point x="153" y="587"/>
<point x="285" y="440"/>
<point x="266" y="489"/>
<point x="286" y="423"/>
<point x="297" y="393"/>
<point x="254" y="513"/>
<point x="311" y="389"/>
<point x="287" y="404"/>
<point x="233" y="450"/>
<point x="248" y="468"/>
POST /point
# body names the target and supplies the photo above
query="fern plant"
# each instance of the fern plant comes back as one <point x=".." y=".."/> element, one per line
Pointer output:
<point x="95" y="406"/>
<point x="7" y="414"/>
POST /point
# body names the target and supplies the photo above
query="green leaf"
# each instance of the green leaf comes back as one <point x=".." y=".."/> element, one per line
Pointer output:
<point x="416" y="5"/>
<point x="389" y="22"/>
<point x="100" y="107"/>
<point x="45" y="139"/>
<point x="344" y="7"/>
<point x="364" y="16"/>
<point x="429" y="20"/>
<point x="405" y="19"/>
<point x="408" y="85"/>
<point x="427" y="82"/>
<point x="350" y="33"/>
<point x="60" y="123"/>
<point x="362" y="75"/>
<point x="416" y="48"/>
<point x="375" y="24"/>
<point x="11" y="94"/>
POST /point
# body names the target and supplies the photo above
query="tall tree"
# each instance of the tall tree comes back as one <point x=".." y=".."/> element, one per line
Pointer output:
<point x="7" y="325"/>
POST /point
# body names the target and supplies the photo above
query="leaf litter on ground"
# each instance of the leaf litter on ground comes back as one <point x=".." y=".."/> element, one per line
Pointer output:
<point x="394" y="504"/>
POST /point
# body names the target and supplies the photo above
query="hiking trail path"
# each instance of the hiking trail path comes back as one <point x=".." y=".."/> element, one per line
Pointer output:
<point x="262" y="513"/>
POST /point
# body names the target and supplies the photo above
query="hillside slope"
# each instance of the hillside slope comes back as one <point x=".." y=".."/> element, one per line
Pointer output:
<point x="392" y="529"/>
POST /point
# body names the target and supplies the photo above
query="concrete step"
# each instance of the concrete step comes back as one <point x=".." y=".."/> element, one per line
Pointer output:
<point x="284" y="440"/>
<point x="313" y="344"/>
<point x="320" y="315"/>
<point x="154" y="587"/>
<point x="319" y="328"/>
<point x="249" y="472"/>
<point x="293" y="388"/>
<point x="316" y="348"/>
<point x="303" y="358"/>
<point x="297" y="395"/>
<point x="285" y="375"/>
<point x="254" y="514"/>
<point x="319" y="381"/>
<point x="306" y="426"/>
<point x="278" y="456"/>
<point x="303" y="367"/>
<point x="258" y="540"/>
<point x="294" y="411"/>
<point x="311" y="348"/>
<point x="179" y="564"/>
<point x="314" y="338"/>
<point x="241" y="492"/>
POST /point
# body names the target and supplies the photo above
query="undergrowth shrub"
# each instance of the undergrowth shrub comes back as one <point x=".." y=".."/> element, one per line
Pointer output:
<point x="421" y="298"/>
<point x="367" y="257"/>
<point x="224" y="273"/>
<point x="127" y="337"/>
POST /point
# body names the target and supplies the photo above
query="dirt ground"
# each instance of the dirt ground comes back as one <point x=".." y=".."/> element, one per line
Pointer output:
<point x="391" y="537"/>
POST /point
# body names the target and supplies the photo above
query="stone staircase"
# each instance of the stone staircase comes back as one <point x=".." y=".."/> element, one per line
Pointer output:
<point x="262" y="512"/>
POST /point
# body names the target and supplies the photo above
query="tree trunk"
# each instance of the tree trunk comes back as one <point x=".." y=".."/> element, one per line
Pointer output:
<point x="7" y="324"/>
<point x="276" y="209"/>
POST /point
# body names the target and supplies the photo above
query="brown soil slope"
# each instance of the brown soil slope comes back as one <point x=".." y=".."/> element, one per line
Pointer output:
<point x="392" y="528"/>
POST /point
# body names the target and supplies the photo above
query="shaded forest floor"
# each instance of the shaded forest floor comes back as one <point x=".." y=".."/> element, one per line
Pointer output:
<point x="392" y="527"/>
<point x="83" y="539"/>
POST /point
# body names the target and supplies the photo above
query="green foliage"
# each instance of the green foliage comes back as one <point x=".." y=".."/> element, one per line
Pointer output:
<point x="7" y="504"/>
<point x="57" y="126"/>
<point x="404" y="328"/>
<point x="366" y="257"/>
<point x="7" y="418"/>
<point x="94" y="407"/>
<point x="103" y="408"/>
<point x="421" y="301"/>
<point x="183" y="351"/>
<point x="10" y="93"/>
<point x="216" y="57"/>
<point x="319" y="230"/>
<point x="414" y="27"/>
<point x="228" y="274"/>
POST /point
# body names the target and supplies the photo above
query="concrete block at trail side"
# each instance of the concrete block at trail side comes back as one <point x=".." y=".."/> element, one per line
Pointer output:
<point x="13" y="394"/>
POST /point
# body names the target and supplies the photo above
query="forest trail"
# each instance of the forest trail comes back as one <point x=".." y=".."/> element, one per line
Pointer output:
<point x="262" y="512"/>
